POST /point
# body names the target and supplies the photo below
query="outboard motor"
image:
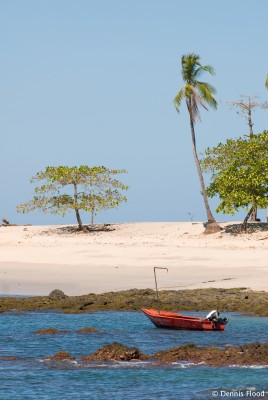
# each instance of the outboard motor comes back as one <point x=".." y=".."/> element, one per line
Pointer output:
<point x="214" y="316"/>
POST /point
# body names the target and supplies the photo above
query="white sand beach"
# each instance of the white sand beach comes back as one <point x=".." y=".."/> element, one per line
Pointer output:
<point x="34" y="260"/>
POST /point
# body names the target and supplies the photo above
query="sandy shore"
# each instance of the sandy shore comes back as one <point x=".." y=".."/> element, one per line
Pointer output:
<point x="38" y="259"/>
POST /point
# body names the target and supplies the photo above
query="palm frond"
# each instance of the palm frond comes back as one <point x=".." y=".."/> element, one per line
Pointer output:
<point x="190" y="63"/>
<point x="266" y="82"/>
<point x="206" y="93"/>
<point x="178" y="99"/>
<point x="195" y="92"/>
<point x="193" y="101"/>
<point x="204" y="68"/>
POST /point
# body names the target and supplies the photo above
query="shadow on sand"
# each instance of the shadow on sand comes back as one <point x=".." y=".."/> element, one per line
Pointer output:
<point x="63" y="230"/>
<point x="252" y="227"/>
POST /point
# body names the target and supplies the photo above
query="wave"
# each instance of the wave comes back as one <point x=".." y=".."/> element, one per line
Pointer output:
<point x="249" y="366"/>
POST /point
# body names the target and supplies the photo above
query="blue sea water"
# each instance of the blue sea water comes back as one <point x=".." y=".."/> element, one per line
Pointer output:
<point x="32" y="377"/>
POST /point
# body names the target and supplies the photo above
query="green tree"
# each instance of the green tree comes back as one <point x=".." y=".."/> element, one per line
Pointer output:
<point x="266" y="82"/>
<point x="197" y="93"/>
<point x="245" y="107"/>
<point x="239" y="170"/>
<point x="65" y="189"/>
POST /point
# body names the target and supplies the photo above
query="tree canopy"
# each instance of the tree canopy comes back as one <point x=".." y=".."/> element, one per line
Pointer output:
<point x="239" y="170"/>
<point x="65" y="189"/>
<point x="195" y="92"/>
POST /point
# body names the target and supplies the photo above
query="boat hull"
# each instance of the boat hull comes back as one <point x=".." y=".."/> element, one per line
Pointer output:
<point x="168" y="320"/>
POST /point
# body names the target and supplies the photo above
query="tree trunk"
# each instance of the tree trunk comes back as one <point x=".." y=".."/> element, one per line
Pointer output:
<point x="250" y="124"/>
<point x="79" y="221"/>
<point x="254" y="215"/>
<point x="254" y="212"/>
<point x="80" y="224"/>
<point x="251" y="134"/>
<point x="244" y="225"/>
<point x="212" y="224"/>
<point x="92" y="217"/>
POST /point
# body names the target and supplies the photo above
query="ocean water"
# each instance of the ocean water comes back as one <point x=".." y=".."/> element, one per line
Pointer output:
<point x="32" y="377"/>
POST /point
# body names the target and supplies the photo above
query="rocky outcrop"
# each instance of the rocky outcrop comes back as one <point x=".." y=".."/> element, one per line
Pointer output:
<point x="9" y="358"/>
<point x="232" y="300"/>
<point x="115" y="352"/>
<point x="49" y="331"/>
<point x="87" y="330"/>
<point x="250" y="354"/>
<point x="61" y="356"/>
<point x="57" y="294"/>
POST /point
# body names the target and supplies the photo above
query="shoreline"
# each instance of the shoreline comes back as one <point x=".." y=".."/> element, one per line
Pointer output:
<point x="34" y="260"/>
<point x="249" y="302"/>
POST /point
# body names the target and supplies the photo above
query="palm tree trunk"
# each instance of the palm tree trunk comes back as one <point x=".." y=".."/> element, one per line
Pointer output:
<point x="210" y="217"/>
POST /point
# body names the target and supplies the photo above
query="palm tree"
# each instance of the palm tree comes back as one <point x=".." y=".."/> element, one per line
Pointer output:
<point x="197" y="93"/>
<point x="266" y="82"/>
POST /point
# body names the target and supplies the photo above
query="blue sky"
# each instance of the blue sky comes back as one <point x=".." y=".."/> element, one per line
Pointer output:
<point x="93" y="82"/>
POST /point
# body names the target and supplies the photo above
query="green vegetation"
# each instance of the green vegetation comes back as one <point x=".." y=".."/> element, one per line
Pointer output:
<point x="245" y="107"/>
<point x="239" y="168"/>
<point x="239" y="174"/>
<point x="196" y="93"/>
<point x="65" y="189"/>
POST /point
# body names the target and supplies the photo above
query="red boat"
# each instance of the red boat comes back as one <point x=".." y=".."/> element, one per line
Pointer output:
<point x="165" y="319"/>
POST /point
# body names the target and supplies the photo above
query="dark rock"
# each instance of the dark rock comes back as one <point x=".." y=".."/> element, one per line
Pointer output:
<point x="50" y="331"/>
<point x="130" y="302"/>
<point x="9" y="358"/>
<point x="87" y="330"/>
<point x="84" y="306"/>
<point x="146" y="292"/>
<point x="57" y="294"/>
<point x="254" y="353"/>
<point x="60" y="356"/>
<point x="115" y="352"/>
<point x="250" y="354"/>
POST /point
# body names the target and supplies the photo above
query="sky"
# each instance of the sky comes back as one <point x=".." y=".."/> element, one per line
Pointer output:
<point x="92" y="83"/>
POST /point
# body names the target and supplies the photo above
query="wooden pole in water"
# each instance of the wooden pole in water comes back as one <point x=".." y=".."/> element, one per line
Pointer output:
<point x="156" y="288"/>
